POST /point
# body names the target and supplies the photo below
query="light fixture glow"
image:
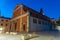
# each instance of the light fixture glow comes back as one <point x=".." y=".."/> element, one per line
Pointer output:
<point x="1" y="28"/>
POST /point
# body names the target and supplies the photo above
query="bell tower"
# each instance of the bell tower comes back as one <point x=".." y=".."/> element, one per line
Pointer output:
<point x="41" y="11"/>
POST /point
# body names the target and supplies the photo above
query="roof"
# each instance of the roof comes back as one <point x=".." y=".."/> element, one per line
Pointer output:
<point x="36" y="14"/>
<point x="44" y="17"/>
<point x="5" y="17"/>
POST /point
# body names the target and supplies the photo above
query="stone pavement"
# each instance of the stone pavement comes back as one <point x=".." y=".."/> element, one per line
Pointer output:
<point x="47" y="36"/>
<point x="41" y="36"/>
<point x="9" y="37"/>
<point x="16" y="36"/>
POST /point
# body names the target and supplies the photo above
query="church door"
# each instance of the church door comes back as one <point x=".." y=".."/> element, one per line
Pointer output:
<point x="24" y="27"/>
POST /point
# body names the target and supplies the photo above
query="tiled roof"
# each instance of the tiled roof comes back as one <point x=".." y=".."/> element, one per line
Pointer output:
<point x="36" y="14"/>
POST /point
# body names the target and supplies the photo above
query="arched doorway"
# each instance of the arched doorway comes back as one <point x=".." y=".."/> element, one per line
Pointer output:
<point x="24" y="26"/>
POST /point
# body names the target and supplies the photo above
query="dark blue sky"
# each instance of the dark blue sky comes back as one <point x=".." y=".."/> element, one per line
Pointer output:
<point x="51" y="7"/>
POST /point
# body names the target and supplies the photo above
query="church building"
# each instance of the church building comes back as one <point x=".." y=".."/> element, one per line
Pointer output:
<point x="26" y="19"/>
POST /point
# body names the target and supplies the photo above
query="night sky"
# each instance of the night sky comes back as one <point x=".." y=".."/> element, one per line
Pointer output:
<point x="51" y="7"/>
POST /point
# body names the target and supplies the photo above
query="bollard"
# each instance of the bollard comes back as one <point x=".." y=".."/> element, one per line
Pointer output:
<point x="14" y="33"/>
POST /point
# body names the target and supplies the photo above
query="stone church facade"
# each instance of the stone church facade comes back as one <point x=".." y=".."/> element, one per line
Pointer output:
<point x="29" y="20"/>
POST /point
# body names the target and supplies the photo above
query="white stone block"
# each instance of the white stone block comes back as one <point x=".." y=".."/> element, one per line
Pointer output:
<point x="7" y="32"/>
<point x="14" y="33"/>
<point x="11" y="32"/>
<point x="29" y="35"/>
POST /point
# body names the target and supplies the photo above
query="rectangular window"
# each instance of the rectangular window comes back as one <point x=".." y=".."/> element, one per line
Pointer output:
<point x="39" y="21"/>
<point x="42" y="22"/>
<point x="30" y="13"/>
<point x="6" y="20"/>
<point x="34" y="20"/>
<point x="6" y="24"/>
<point x="2" y="20"/>
<point x="1" y="24"/>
